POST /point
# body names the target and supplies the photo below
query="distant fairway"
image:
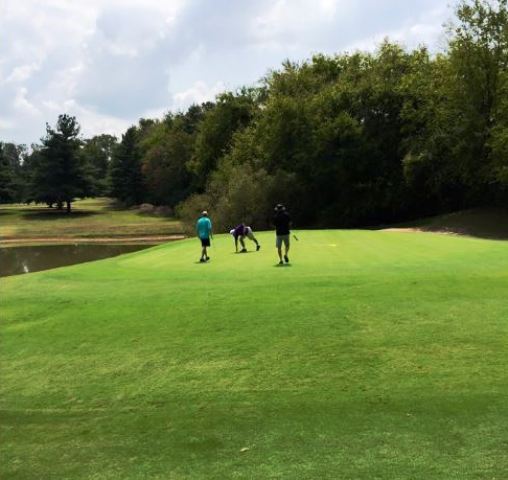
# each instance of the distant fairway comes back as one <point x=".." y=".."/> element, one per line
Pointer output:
<point x="376" y="355"/>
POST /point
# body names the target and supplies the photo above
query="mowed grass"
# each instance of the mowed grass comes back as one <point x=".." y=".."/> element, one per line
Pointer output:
<point x="89" y="218"/>
<point x="376" y="355"/>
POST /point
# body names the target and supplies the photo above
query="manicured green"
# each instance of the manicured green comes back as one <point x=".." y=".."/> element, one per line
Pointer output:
<point x="90" y="218"/>
<point x="375" y="355"/>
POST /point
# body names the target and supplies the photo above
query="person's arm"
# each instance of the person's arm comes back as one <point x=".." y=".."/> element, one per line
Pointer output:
<point x="210" y="228"/>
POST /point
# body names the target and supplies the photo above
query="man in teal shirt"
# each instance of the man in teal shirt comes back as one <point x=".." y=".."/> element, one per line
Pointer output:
<point x="204" y="231"/>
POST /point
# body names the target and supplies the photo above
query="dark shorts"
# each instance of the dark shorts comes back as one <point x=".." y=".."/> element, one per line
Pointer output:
<point x="205" y="242"/>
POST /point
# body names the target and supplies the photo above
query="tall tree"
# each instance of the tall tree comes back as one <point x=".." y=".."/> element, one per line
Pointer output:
<point x="215" y="132"/>
<point x="499" y="137"/>
<point x="167" y="151"/>
<point x="60" y="174"/>
<point x="127" y="183"/>
<point x="479" y="62"/>
<point x="10" y="166"/>
<point x="97" y="153"/>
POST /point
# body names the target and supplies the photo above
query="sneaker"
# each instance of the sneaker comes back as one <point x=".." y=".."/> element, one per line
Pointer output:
<point x="202" y="260"/>
<point x="258" y="247"/>
<point x="207" y="258"/>
<point x="286" y="258"/>
<point x="281" y="263"/>
<point x="243" y="250"/>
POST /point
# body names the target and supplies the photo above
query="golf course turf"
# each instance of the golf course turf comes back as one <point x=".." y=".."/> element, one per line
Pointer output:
<point x="374" y="355"/>
<point x="92" y="219"/>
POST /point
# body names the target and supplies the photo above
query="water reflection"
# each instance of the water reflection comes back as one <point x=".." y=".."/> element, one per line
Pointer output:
<point x="18" y="260"/>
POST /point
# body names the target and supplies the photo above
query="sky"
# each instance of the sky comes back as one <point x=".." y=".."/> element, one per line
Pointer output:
<point x="111" y="62"/>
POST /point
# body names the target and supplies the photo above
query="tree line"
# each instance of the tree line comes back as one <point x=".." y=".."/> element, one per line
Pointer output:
<point x="346" y="140"/>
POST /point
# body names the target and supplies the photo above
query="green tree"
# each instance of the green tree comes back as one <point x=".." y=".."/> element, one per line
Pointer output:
<point x="215" y="132"/>
<point x="454" y="111"/>
<point x="126" y="178"/>
<point x="429" y="163"/>
<point x="167" y="150"/>
<point x="479" y="61"/>
<point x="499" y="137"/>
<point x="97" y="153"/>
<point x="59" y="174"/>
<point x="10" y="172"/>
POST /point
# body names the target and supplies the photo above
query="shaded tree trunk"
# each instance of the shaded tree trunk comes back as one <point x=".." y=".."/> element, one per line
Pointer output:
<point x="68" y="206"/>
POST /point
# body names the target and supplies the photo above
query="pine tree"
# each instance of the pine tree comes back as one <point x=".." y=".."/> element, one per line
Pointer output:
<point x="126" y="176"/>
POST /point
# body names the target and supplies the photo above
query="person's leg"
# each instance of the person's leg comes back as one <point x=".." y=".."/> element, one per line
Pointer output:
<point x="207" y="246"/>
<point x="205" y="243"/>
<point x="278" y="244"/>
<point x="286" y="248"/>
<point x="242" y="243"/>
<point x="251" y="236"/>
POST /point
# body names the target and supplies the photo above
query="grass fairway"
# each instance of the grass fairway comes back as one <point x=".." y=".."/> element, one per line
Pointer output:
<point x="90" y="219"/>
<point x="376" y="355"/>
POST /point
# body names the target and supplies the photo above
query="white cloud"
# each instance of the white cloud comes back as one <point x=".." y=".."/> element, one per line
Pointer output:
<point x="110" y="62"/>
<point x="426" y="29"/>
<point x="22" y="73"/>
<point x="296" y="20"/>
<point x="200" y="92"/>
<point x="22" y="104"/>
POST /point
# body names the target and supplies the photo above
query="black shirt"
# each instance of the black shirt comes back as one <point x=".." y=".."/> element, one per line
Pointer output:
<point x="282" y="220"/>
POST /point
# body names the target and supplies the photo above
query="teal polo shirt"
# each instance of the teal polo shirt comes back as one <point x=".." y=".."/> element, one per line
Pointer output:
<point x="204" y="227"/>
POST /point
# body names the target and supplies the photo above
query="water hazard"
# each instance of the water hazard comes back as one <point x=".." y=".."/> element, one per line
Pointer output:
<point x="19" y="260"/>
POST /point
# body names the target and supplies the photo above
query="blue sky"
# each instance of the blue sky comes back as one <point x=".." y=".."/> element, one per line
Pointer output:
<point x="110" y="62"/>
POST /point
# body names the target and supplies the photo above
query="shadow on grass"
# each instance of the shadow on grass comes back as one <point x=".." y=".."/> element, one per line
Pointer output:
<point x="56" y="214"/>
<point x="485" y="223"/>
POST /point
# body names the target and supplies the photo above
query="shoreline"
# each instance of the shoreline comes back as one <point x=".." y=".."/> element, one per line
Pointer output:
<point x="137" y="240"/>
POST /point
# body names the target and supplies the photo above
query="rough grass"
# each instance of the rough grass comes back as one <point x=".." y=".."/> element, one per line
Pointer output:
<point x="90" y="218"/>
<point x="376" y="355"/>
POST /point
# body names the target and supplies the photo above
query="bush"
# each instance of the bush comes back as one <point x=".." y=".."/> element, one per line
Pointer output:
<point x="237" y="194"/>
<point x="189" y="210"/>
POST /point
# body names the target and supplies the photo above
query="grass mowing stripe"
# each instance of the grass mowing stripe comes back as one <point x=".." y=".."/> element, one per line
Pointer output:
<point x="375" y="355"/>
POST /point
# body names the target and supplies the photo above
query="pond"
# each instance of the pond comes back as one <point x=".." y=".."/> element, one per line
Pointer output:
<point x="18" y="260"/>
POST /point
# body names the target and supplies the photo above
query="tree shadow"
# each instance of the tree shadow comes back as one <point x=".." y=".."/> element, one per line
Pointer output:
<point x="56" y="214"/>
<point x="491" y="224"/>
